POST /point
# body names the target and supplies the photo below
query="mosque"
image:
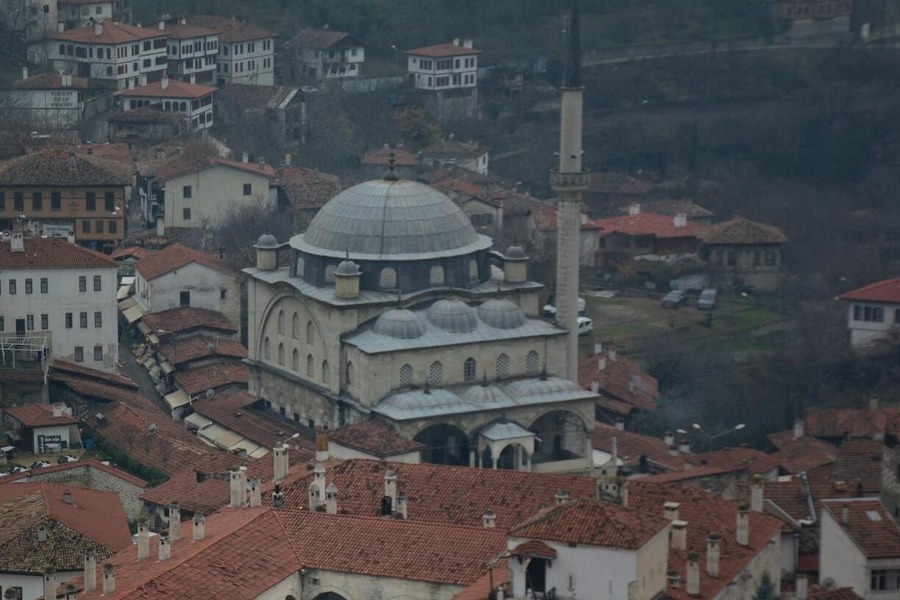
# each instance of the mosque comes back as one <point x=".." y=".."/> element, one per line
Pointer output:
<point x="392" y="307"/>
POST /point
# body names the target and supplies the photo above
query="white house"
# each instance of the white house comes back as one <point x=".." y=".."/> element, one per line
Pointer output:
<point x="327" y="54"/>
<point x="444" y="66"/>
<point x="181" y="276"/>
<point x="195" y="101"/>
<point x="106" y="51"/>
<point x="860" y="547"/>
<point x="195" y="193"/>
<point x="246" y="52"/>
<point x="79" y="13"/>
<point x="42" y="428"/>
<point x="873" y="312"/>
<point x="48" y="102"/>
<point x="192" y="52"/>
<point x="470" y="156"/>
<point x="59" y="291"/>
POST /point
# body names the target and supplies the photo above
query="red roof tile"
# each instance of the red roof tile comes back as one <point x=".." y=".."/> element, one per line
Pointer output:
<point x="843" y="593"/>
<point x="534" y="548"/>
<point x="110" y="33"/>
<point x="621" y="378"/>
<point x="174" y="89"/>
<point x="52" y="253"/>
<point x="632" y="446"/>
<point x="85" y="463"/>
<point x="231" y="410"/>
<point x="230" y="29"/>
<point x="493" y="578"/>
<point x="756" y="462"/>
<point x="38" y="415"/>
<point x="180" y="167"/>
<point x="212" y="377"/>
<point x="852" y="422"/>
<point x="741" y="231"/>
<point x="176" y="256"/>
<point x="199" y="347"/>
<point x="544" y="217"/>
<point x="48" y="81"/>
<point x="324" y="39"/>
<point x="180" y="32"/>
<point x="185" y="318"/>
<point x="375" y="438"/>
<point x="645" y="223"/>
<point x="592" y="523"/>
<point x="137" y="252"/>
<point x="382" y="156"/>
<point x="860" y="462"/>
<point x="870" y="526"/>
<point x="694" y="473"/>
<point x="442" y="50"/>
<point x="805" y="453"/>
<point x="201" y="489"/>
<point x="887" y="290"/>
<point x="74" y="369"/>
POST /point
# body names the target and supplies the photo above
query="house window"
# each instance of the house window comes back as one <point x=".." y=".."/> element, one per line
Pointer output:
<point x="2" y="201"/>
<point x="79" y="354"/>
<point x="82" y="320"/>
<point x="436" y="276"/>
<point x="29" y="286"/>
<point x="532" y="363"/>
<point x="98" y="319"/>
<point x="350" y="374"/>
<point x="37" y="202"/>
<point x="435" y="373"/>
<point x="98" y="353"/>
<point x="406" y="375"/>
<point x="68" y="320"/>
<point x="29" y="320"/>
<point x="98" y="226"/>
<point x="248" y="189"/>
<point x="90" y="201"/>
<point x="109" y="201"/>
<point x="281" y="355"/>
<point x="12" y="286"/>
<point x="732" y="258"/>
<point x="85" y="227"/>
<point x="266" y="351"/>
<point x="184" y="298"/>
<point x="44" y="285"/>
<point x="2" y="324"/>
<point x="885" y="580"/>
<point x="326" y="372"/>
<point x="45" y="322"/>
<point x="223" y="293"/>
<point x="19" y="202"/>
<point x="309" y="365"/>
<point x="113" y="227"/>
<point x="387" y="279"/>
<point x="55" y="201"/>
<point x="469" y="369"/>
<point x="98" y="283"/>
<point x="82" y="283"/>
<point x="186" y="214"/>
<point x="503" y="366"/>
<point x="295" y="360"/>
<point x="770" y="259"/>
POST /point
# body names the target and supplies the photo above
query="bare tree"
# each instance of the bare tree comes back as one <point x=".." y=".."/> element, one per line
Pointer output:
<point x="239" y="229"/>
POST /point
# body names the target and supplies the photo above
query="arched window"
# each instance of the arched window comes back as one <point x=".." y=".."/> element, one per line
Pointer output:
<point x="503" y="366"/>
<point x="295" y="360"/>
<point x="435" y="373"/>
<point x="280" y="322"/>
<point x="329" y="273"/>
<point x="281" y="354"/>
<point x="266" y="348"/>
<point x="326" y="373"/>
<point x="350" y="373"/>
<point x="387" y="279"/>
<point x="406" y="375"/>
<point x="473" y="270"/>
<point x="532" y="363"/>
<point x="469" y="368"/>
<point x="295" y="326"/>
<point x="436" y="275"/>
<point x="309" y="366"/>
<point x="310" y="333"/>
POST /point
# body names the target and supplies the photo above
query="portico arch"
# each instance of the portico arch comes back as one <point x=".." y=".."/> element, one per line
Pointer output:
<point x="445" y="445"/>
<point x="562" y="435"/>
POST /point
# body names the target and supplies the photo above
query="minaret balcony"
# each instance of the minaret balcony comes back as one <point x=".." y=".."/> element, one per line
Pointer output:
<point x="569" y="182"/>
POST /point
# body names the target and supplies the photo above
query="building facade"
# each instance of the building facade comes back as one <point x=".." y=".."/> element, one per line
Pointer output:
<point x="48" y="102"/>
<point x="447" y="75"/>
<point x="321" y="54"/>
<point x="192" y="52"/>
<point x="741" y="252"/>
<point x="246" y="52"/>
<point x="193" y="100"/>
<point x="81" y="13"/>
<point x="873" y="313"/>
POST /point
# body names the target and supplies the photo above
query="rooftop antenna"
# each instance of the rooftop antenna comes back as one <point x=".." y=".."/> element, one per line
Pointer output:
<point x="391" y="174"/>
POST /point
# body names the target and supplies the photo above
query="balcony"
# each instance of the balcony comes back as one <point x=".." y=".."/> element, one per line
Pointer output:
<point x="569" y="182"/>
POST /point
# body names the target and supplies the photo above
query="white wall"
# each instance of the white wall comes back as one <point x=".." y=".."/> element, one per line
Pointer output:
<point x="863" y="333"/>
<point x="213" y="192"/>
<point x="50" y="109"/>
<point x="204" y="284"/>
<point x="255" y="61"/>
<point x="81" y="14"/>
<point x="60" y="430"/>
<point x="839" y="558"/>
<point x="32" y="585"/>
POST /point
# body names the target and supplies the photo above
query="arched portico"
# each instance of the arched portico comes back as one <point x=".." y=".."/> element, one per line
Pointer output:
<point x="506" y="445"/>
<point x="562" y="436"/>
<point x="445" y="445"/>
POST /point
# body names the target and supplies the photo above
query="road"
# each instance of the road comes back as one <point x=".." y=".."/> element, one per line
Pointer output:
<point x="137" y="373"/>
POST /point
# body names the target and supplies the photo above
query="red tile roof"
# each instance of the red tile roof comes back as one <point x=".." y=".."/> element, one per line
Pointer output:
<point x="632" y="446"/>
<point x="805" y="453"/>
<point x="694" y="473"/>
<point x="137" y="252"/>
<point x="308" y="188"/>
<point x="493" y="578"/>
<point x="177" y="256"/>
<point x="621" y="378"/>
<point x="860" y="462"/>
<point x="179" y="32"/>
<point x="174" y="89"/>
<point x="544" y="217"/>
<point x="843" y="593"/>
<point x="48" y="81"/>
<point x="741" y="231"/>
<point x="887" y="290"/>
<point x="85" y="463"/>
<point x="382" y="156"/>
<point x="375" y="438"/>
<point x="186" y="318"/>
<point x="110" y="33"/>
<point x="534" y="548"/>
<point x="324" y="39"/>
<point x="230" y="29"/>
<point x="63" y="167"/>
<point x="38" y="415"/>
<point x="74" y="369"/>
<point x="199" y="347"/>
<point x="179" y="167"/>
<point x="645" y="223"/>
<point x="852" y="422"/>
<point x="201" y="489"/>
<point x="442" y="50"/>
<point x="231" y="410"/>
<point x="870" y="526"/>
<point x="756" y="462"/>
<point x="95" y="389"/>
<point x="52" y="253"/>
<point x="444" y="494"/>
<point x="212" y="377"/>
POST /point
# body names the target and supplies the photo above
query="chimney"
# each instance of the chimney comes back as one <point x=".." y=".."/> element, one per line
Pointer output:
<point x="90" y="571"/>
<point x="331" y="499"/>
<point x="24" y="72"/>
<point x="199" y="528"/>
<point x="673" y="578"/>
<point x="183" y="21"/>
<point x="798" y="429"/>
<point x="174" y="522"/>
<point x="743" y="525"/>
<point x="109" y="579"/>
<point x="489" y="519"/>
<point x="679" y="535"/>
<point x="162" y="25"/>
<point x="669" y="438"/>
<point x="390" y="487"/>
<point x="17" y="242"/>
<point x="874" y="402"/>
<point x="193" y="78"/>
<point x="281" y="461"/>
<point x="680" y="220"/>
<point x="634" y="209"/>
<point x="804" y="486"/>
<point x="164" y="82"/>
<point x="693" y="574"/>
<point x="595" y="386"/>
<point x="670" y="510"/>
<point x="402" y="506"/>
<point x="561" y="497"/>
<point x="42" y="533"/>
<point x="802" y="587"/>
<point x="598" y="347"/>
<point x="165" y="547"/>
<point x="456" y="42"/>
<point x="620" y="424"/>
<point x="319" y="479"/>
<point x="245" y="157"/>
<point x="685" y="446"/>
<point x="287" y="159"/>
<point x="98" y="28"/>
<point x="321" y="444"/>
<point x="673" y="450"/>
<point x="277" y="497"/>
<point x="845" y="515"/>
<point x="57" y="410"/>
<point x="255" y="492"/>
<point x="143" y="540"/>
<point x="313" y="493"/>
<point x="713" y="550"/>
<point x="50" y="583"/>
<point x="613" y="355"/>
<point x="623" y="492"/>
<point x="467" y="43"/>
<point x="142" y="79"/>
<point x="238" y="481"/>
<point x="756" y="494"/>
<point x="601" y="363"/>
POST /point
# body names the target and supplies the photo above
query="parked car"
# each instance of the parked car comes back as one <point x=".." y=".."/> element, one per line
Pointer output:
<point x="674" y="299"/>
<point x="550" y="309"/>
<point x="707" y="299"/>
<point x="585" y="326"/>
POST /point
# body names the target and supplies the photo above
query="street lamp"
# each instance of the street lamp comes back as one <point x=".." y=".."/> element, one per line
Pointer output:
<point x="711" y="437"/>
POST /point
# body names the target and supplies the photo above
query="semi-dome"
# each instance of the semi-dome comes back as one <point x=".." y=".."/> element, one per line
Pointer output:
<point x="485" y="394"/>
<point x="399" y="323"/>
<point x="538" y="387"/>
<point x="266" y="241"/>
<point x="453" y="316"/>
<point x="502" y="314"/>
<point x="391" y="218"/>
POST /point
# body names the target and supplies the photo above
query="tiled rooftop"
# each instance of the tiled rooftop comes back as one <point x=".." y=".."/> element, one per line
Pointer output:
<point x="110" y="33"/>
<point x="621" y="378"/>
<point x="231" y="409"/>
<point x="870" y="526"/>
<point x="84" y="463"/>
<point x="741" y="231"/>
<point x="307" y="188"/>
<point x="805" y="453"/>
<point x="646" y="223"/>
<point x="230" y="29"/>
<point x="632" y="446"/>
<point x="212" y="377"/>
<point x="62" y="167"/>
<point x="852" y="422"/>
<point x="860" y="461"/>
<point x="375" y="438"/>
<point x="179" y="167"/>
<point x="172" y="88"/>
<point x="324" y="39"/>
<point x="199" y="347"/>
<point x="177" y="256"/>
<point x="887" y="290"/>
<point x="754" y="461"/>
<point x="38" y="415"/>
<point x="442" y="50"/>
<point x="51" y="253"/>
<point x="185" y="318"/>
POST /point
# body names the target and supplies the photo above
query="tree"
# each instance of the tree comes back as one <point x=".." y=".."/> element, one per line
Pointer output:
<point x="766" y="590"/>
<point x="238" y="230"/>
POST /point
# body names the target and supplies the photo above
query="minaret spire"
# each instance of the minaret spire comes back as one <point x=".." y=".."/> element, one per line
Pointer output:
<point x="569" y="181"/>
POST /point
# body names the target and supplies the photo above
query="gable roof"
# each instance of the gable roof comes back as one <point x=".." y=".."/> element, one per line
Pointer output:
<point x="38" y="415"/>
<point x="52" y="253"/>
<point x="754" y="461"/>
<point x="70" y="368"/>
<point x="592" y="523"/>
<point x="325" y="39"/>
<point x="853" y="422"/>
<point x="230" y="29"/>
<point x="742" y="231"/>
<point x="198" y="347"/>
<point x="61" y="167"/>
<point x="442" y="50"/>
<point x="81" y="464"/>
<point x="375" y="438"/>
<point x="632" y="446"/>
<point x="621" y="378"/>
<point x="860" y="461"/>
<point x="887" y="290"/>
<point x="174" y="89"/>
<point x="181" y="31"/>
<point x="646" y="223"/>
<point x="869" y="525"/>
<point x="178" y="167"/>
<point x="672" y="207"/>
<point x="233" y="411"/>
<point x="307" y="188"/>
<point x="805" y="453"/>
<point x="49" y="81"/>
<point x="110" y="33"/>
<point x="212" y="377"/>
<point x="185" y="318"/>
<point x="176" y="256"/>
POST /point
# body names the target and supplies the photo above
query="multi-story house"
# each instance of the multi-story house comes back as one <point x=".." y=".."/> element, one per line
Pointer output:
<point x="873" y="312"/>
<point x="193" y="100"/>
<point x="192" y="52"/>
<point x="57" y="192"/>
<point x="448" y="73"/>
<point x="47" y="102"/>
<point x="246" y="52"/>
<point x="107" y="51"/>
<point x="80" y="13"/>
<point x="744" y="252"/>
<point x="326" y="54"/>
<point x="198" y="193"/>
<point x="31" y="19"/>
<point x="54" y="289"/>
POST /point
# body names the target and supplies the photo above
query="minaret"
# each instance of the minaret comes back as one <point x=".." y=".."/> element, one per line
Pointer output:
<point x="569" y="181"/>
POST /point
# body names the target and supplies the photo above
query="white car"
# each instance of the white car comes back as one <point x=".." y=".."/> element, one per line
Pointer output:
<point x="550" y="309"/>
<point x="585" y="326"/>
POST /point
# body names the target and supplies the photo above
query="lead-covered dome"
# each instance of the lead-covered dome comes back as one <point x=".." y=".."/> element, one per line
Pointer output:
<point x="502" y="314"/>
<point x="383" y="217"/>
<point x="452" y="316"/>
<point x="399" y="323"/>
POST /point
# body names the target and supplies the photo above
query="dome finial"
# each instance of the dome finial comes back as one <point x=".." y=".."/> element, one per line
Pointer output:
<point x="391" y="174"/>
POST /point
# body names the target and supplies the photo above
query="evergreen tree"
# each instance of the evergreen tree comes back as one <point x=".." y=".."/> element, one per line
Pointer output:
<point x="766" y="590"/>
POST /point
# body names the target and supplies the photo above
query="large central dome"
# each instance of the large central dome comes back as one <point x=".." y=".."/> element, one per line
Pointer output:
<point x="390" y="218"/>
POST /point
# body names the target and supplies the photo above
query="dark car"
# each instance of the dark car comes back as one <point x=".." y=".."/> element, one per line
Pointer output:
<point x="674" y="299"/>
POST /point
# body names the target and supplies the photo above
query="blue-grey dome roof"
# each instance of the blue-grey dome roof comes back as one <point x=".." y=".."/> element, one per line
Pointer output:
<point x="266" y="241"/>
<point x="515" y="252"/>
<point x="484" y="395"/>
<point x="502" y="314"/>
<point x="453" y="316"/>
<point x="399" y="323"/>
<point x="390" y="218"/>
<point x="347" y="268"/>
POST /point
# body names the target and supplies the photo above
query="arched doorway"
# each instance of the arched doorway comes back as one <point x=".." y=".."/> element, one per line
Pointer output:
<point x="514" y="457"/>
<point x="563" y="437"/>
<point x="487" y="459"/>
<point x="329" y="596"/>
<point x="445" y="445"/>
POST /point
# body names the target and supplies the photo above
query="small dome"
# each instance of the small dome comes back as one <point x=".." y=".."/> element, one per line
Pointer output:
<point x="515" y="252"/>
<point x="538" y="387"/>
<point x="399" y="323"/>
<point x="347" y="268"/>
<point x="484" y="395"/>
<point x="266" y="241"/>
<point x="453" y="316"/>
<point x="502" y="314"/>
